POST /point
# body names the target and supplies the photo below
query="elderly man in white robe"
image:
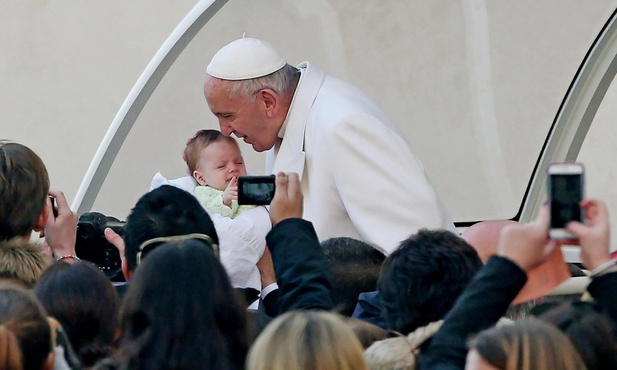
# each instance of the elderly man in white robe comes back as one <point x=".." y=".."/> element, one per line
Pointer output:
<point x="360" y="178"/>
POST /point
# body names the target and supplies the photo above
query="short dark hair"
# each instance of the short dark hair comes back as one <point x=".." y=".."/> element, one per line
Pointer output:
<point x="353" y="268"/>
<point x="421" y="280"/>
<point x="181" y="312"/>
<point x="165" y="211"/>
<point x="24" y="187"/>
<point x="85" y="302"/>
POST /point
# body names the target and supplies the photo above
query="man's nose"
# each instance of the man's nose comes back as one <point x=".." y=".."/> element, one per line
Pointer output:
<point x="225" y="128"/>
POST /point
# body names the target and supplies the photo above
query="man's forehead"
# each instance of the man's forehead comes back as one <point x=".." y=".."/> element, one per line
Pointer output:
<point x="214" y="86"/>
<point x="217" y="92"/>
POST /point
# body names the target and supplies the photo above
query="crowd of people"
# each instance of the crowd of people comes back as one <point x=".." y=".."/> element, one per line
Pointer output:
<point x="339" y="304"/>
<point x="324" y="298"/>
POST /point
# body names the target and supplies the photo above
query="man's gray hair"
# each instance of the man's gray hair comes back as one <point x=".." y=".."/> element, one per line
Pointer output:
<point x="280" y="81"/>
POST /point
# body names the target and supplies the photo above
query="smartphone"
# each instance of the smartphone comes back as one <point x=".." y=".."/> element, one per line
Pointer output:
<point x="566" y="182"/>
<point x="255" y="190"/>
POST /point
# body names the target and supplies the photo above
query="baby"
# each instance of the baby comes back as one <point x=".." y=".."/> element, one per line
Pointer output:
<point x="215" y="162"/>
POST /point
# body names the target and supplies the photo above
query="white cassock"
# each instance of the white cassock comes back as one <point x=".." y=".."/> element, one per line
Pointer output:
<point x="359" y="176"/>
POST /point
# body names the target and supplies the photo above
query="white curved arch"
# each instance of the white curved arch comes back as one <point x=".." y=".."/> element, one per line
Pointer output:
<point x="137" y="99"/>
<point x="576" y="113"/>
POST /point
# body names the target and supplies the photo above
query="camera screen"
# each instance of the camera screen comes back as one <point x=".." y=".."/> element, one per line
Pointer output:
<point x="566" y="194"/>
<point x="257" y="190"/>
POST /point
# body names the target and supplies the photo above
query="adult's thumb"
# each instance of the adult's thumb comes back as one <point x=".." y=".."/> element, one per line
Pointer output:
<point x="576" y="228"/>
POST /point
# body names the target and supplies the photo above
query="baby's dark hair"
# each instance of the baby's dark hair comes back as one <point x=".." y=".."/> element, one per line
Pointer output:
<point x="198" y="142"/>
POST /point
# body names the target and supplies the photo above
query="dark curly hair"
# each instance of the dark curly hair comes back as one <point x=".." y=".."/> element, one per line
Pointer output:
<point x="423" y="277"/>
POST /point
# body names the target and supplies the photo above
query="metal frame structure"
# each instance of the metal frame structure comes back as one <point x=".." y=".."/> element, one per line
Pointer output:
<point x="564" y="141"/>
<point x="137" y="99"/>
<point x="575" y="114"/>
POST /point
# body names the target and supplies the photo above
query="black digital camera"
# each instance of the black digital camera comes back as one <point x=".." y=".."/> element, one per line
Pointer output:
<point x="92" y="246"/>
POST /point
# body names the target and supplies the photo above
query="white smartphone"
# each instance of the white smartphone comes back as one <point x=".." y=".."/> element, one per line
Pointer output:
<point x="565" y="185"/>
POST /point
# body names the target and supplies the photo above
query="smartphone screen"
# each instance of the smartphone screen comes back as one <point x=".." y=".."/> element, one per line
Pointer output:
<point x="566" y="192"/>
<point x="255" y="190"/>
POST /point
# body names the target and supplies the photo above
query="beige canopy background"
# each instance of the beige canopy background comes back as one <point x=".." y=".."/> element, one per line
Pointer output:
<point x="474" y="85"/>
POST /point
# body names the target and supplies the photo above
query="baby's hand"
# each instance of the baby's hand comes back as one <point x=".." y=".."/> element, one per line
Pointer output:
<point x="231" y="192"/>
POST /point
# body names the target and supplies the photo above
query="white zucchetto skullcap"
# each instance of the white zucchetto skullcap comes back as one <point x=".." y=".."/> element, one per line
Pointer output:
<point x="244" y="59"/>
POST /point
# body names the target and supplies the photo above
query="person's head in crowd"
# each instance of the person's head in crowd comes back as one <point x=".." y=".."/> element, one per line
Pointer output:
<point x="181" y="312"/>
<point x="353" y="268"/>
<point x="423" y="277"/>
<point x="249" y="87"/>
<point x="23" y="324"/>
<point x="591" y="332"/>
<point x="300" y="340"/>
<point x="524" y="345"/>
<point x="24" y="187"/>
<point x="483" y="236"/>
<point x="213" y="159"/>
<point x="165" y="211"/>
<point x="85" y="303"/>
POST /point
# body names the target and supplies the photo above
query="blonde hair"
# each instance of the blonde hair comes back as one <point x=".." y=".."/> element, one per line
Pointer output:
<point x="528" y="344"/>
<point x="307" y="340"/>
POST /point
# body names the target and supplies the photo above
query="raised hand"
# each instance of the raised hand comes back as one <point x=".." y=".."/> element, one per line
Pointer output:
<point x="527" y="245"/>
<point x="594" y="234"/>
<point x="288" y="199"/>
<point x="231" y="192"/>
<point x="61" y="229"/>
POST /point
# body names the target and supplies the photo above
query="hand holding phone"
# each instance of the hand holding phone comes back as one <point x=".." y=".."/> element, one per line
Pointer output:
<point x="61" y="230"/>
<point x="288" y="200"/>
<point x="565" y="187"/>
<point x="594" y="235"/>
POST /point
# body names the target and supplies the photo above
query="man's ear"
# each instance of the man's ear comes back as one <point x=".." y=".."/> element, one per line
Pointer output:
<point x="200" y="179"/>
<point x="270" y="101"/>
<point x="40" y="224"/>
<point x="125" y="269"/>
